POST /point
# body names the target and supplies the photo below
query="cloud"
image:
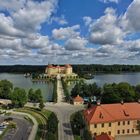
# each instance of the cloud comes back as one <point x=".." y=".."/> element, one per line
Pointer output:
<point x="33" y="14"/>
<point x="64" y="33"/>
<point x="75" y="44"/>
<point x="87" y="20"/>
<point x="60" y="20"/>
<point x="131" y="17"/>
<point x="106" y="30"/>
<point x="107" y="1"/>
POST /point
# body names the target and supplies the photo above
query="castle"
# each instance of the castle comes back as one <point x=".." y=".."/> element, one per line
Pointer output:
<point x="62" y="70"/>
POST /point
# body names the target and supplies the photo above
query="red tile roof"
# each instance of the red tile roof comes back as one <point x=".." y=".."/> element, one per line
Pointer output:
<point x="112" y="112"/>
<point x="78" y="99"/>
<point x="104" y="137"/>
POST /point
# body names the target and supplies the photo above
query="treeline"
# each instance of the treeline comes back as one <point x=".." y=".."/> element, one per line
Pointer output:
<point x="79" y="68"/>
<point x="98" y="68"/>
<point x="109" y="93"/>
<point x="23" y="69"/>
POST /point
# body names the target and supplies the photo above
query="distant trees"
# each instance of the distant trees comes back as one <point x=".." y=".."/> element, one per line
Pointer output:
<point x="19" y="97"/>
<point x="86" y="90"/>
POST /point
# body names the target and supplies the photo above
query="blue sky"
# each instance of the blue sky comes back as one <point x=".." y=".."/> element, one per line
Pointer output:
<point x="69" y="31"/>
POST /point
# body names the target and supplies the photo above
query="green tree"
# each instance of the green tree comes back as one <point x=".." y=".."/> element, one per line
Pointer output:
<point x="41" y="105"/>
<point x="5" y="89"/>
<point x="35" y="96"/>
<point x="19" y="97"/>
<point x="87" y="135"/>
<point x="52" y="125"/>
<point x="50" y="136"/>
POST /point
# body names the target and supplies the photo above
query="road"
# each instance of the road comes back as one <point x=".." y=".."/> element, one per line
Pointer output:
<point x="22" y="131"/>
<point x="63" y="112"/>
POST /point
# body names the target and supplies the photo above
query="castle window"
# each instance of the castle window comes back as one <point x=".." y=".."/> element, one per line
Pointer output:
<point x="109" y="132"/>
<point x="123" y="122"/>
<point x="109" y="124"/>
<point x="132" y="130"/>
<point x="102" y="124"/>
<point x="95" y="125"/>
<point x="127" y="130"/>
<point x="123" y="131"/>
<point x="118" y="132"/>
<point x="118" y="123"/>
<point x="95" y="134"/>
<point x="128" y="122"/>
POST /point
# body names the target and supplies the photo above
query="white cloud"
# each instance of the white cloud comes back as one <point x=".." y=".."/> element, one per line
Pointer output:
<point x="33" y="14"/>
<point x="130" y="20"/>
<point x="76" y="44"/>
<point x="107" y="1"/>
<point x="64" y="33"/>
<point x="87" y="20"/>
<point x="60" y="20"/>
<point x="106" y="30"/>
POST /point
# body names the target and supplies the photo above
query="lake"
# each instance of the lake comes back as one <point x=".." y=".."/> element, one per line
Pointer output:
<point x="101" y="79"/>
<point x="20" y="81"/>
<point x="47" y="88"/>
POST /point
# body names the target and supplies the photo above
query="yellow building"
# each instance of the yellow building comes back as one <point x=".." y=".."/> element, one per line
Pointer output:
<point x="113" y="119"/>
<point x="63" y="70"/>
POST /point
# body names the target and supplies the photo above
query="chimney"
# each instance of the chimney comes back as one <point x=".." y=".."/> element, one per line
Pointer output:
<point x="99" y="102"/>
<point x="122" y="102"/>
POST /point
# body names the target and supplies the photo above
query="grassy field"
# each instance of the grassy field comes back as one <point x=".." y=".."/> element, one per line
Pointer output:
<point x="41" y="117"/>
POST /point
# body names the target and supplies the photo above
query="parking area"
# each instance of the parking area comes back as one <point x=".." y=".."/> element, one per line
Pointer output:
<point x="22" y="130"/>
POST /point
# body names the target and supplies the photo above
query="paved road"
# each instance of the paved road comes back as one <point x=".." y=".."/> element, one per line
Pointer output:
<point x="63" y="112"/>
<point x="22" y="131"/>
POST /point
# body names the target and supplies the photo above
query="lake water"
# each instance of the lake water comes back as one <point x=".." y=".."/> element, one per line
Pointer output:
<point x="47" y="88"/>
<point x="101" y="79"/>
<point x="20" y="81"/>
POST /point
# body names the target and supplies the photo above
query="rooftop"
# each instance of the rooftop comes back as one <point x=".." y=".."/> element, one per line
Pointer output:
<point x="104" y="137"/>
<point x="112" y="112"/>
<point x="78" y="99"/>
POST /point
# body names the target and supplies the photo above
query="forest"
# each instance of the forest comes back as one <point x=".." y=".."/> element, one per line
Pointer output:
<point x="79" y="68"/>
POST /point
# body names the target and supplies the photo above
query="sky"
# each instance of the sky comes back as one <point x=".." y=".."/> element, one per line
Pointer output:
<point x="38" y="32"/>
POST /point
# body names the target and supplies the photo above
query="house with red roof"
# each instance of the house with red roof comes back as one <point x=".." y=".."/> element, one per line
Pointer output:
<point x="104" y="136"/>
<point x="78" y="100"/>
<point x="113" y="119"/>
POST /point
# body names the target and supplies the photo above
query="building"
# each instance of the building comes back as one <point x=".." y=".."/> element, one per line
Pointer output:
<point x="78" y="100"/>
<point x="63" y="70"/>
<point x="104" y="137"/>
<point x="113" y="119"/>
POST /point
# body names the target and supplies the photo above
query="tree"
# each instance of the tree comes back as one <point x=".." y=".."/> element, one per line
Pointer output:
<point x="5" y="89"/>
<point x="87" y="135"/>
<point x="52" y="125"/>
<point x="35" y="96"/>
<point x="19" y="97"/>
<point x="41" y="105"/>
<point x="50" y="136"/>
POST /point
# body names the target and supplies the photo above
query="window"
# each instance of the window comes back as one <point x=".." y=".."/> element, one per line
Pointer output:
<point x="127" y="130"/>
<point x="118" y="123"/>
<point x="109" y="132"/>
<point x="95" y="125"/>
<point x="102" y="124"/>
<point x="109" y="124"/>
<point x="128" y="122"/>
<point x="118" y="132"/>
<point x="123" y="131"/>
<point x="132" y="130"/>
<point x="95" y="134"/>
<point x="123" y="122"/>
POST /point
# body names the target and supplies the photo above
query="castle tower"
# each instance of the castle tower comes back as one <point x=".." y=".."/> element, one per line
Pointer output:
<point x="68" y="69"/>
